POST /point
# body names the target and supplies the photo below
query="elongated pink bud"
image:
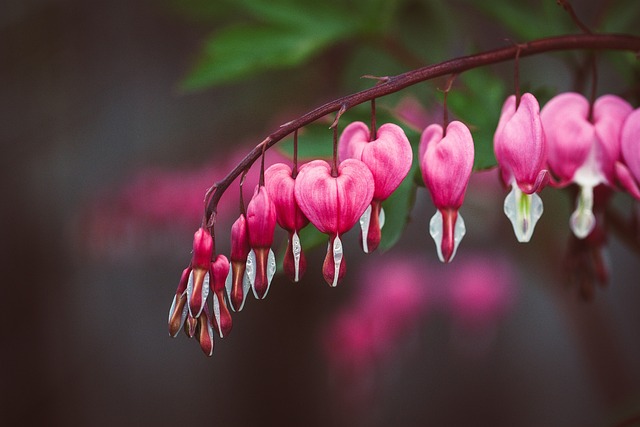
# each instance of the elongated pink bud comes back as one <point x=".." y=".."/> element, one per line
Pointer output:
<point x="240" y="249"/>
<point x="198" y="282"/>
<point x="205" y="332"/>
<point x="261" y="224"/>
<point x="178" y="311"/>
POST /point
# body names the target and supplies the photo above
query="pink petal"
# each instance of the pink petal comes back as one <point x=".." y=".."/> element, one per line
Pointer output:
<point x="630" y="143"/>
<point x="352" y="141"/>
<point x="446" y="163"/>
<point x="202" y="248"/>
<point x="626" y="181"/>
<point x="569" y="134"/>
<point x="334" y="204"/>
<point x="240" y="240"/>
<point x="388" y="157"/>
<point x="519" y="142"/>
<point x="609" y="114"/>
<point x="280" y="186"/>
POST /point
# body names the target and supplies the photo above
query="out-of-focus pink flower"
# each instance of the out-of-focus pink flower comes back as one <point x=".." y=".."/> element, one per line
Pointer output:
<point x="584" y="150"/>
<point x="388" y="157"/>
<point x="630" y="147"/>
<point x="334" y="204"/>
<point x="390" y="299"/>
<point x="280" y="183"/>
<point x="156" y="203"/>
<point x="482" y="290"/>
<point x="446" y="162"/>
<point x="520" y="149"/>
<point x="261" y="224"/>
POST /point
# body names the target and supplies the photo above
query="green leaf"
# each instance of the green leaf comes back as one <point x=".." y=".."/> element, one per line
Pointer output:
<point x="244" y="50"/>
<point x="397" y="210"/>
<point x="622" y="16"/>
<point x="315" y="141"/>
<point x="478" y="105"/>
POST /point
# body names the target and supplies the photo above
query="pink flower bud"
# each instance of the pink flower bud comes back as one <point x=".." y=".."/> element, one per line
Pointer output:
<point x="334" y="204"/>
<point x="388" y="157"/>
<point x="446" y="163"/>
<point x="198" y="283"/>
<point x="178" y="311"/>
<point x="205" y="332"/>
<point x="237" y="283"/>
<point x="261" y="224"/>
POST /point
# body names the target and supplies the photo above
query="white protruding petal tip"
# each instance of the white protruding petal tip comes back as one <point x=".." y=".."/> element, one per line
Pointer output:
<point x="524" y="211"/>
<point x="381" y="217"/>
<point x="435" y="229"/>
<point x="297" y="250"/>
<point x="216" y="313"/>
<point x="190" y="292"/>
<point x="583" y="221"/>
<point x="227" y="286"/>
<point x="337" y="260"/>
<point x="365" y="219"/>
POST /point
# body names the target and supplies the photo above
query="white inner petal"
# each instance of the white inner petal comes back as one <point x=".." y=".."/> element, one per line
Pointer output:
<point x="337" y="259"/>
<point x="246" y="285"/>
<point x="381" y="217"/>
<point x="437" y="233"/>
<point x="524" y="211"/>
<point x="190" y="291"/>
<point x="271" y="270"/>
<point x="365" y="219"/>
<point x="250" y="271"/>
<point x="216" y="313"/>
<point x="582" y="220"/>
<point x="228" y="285"/>
<point x="590" y="172"/>
<point x="296" y="248"/>
<point x="205" y="292"/>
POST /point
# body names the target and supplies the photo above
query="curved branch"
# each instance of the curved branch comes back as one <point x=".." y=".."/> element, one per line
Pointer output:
<point x="396" y="83"/>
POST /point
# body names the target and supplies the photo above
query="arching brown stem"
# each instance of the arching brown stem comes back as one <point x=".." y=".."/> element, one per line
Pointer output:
<point x="396" y="83"/>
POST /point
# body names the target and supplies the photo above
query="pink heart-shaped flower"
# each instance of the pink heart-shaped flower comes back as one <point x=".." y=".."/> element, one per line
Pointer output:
<point x="334" y="204"/>
<point x="388" y="157"/>
<point x="630" y="143"/>
<point x="280" y="185"/>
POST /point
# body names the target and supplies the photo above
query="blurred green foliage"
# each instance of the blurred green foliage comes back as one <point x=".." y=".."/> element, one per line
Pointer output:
<point x="387" y="37"/>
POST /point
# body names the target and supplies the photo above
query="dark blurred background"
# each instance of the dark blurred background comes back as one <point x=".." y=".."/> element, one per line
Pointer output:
<point x="90" y="95"/>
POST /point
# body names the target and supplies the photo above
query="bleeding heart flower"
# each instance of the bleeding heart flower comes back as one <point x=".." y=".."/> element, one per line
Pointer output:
<point x="280" y="184"/>
<point x="334" y="204"/>
<point x="238" y="281"/>
<point x="261" y="224"/>
<point x="520" y="149"/>
<point x="388" y="157"/>
<point x="197" y="274"/>
<point x="630" y="147"/>
<point x="446" y="162"/>
<point x="584" y="150"/>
